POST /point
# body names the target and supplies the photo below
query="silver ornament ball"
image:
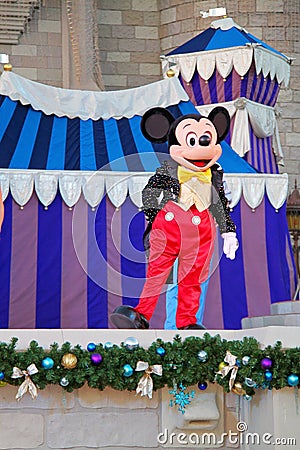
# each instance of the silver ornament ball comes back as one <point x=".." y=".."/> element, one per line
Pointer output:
<point x="202" y="356"/>
<point x="64" y="382"/>
<point x="131" y="343"/>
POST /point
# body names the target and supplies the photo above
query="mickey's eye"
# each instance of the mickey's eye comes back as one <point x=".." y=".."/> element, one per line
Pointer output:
<point x="191" y="139"/>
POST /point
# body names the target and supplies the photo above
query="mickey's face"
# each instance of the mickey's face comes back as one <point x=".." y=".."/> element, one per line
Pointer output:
<point x="197" y="147"/>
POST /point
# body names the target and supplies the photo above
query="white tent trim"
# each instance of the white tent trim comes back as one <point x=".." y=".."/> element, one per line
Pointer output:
<point x="92" y="104"/>
<point x="117" y="185"/>
<point x="224" y="60"/>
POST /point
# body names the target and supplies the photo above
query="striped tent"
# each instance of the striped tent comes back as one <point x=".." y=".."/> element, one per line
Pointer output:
<point x="72" y="167"/>
<point x="227" y="65"/>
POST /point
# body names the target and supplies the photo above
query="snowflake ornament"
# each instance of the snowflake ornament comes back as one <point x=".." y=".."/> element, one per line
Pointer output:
<point x="181" y="398"/>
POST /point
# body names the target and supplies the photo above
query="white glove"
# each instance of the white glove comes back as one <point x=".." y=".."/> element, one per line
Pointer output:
<point x="231" y="244"/>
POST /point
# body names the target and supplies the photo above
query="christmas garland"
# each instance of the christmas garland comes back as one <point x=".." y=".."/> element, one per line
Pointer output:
<point x="240" y="366"/>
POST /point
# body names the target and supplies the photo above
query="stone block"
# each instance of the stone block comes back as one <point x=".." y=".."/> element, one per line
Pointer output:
<point x="185" y="11"/>
<point x="118" y="56"/>
<point x="109" y="17"/>
<point x="53" y="39"/>
<point x="124" y="68"/>
<point x="49" y="50"/>
<point x="49" y="26"/>
<point x="150" y="69"/>
<point x="143" y="57"/>
<point x="258" y="20"/>
<point x="291" y="110"/>
<point x="187" y="25"/>
<point x="104" y="31"/>
<point x="133" y="17"/>
<point x="146" y="32"/>
<point x="24" y="50"/>
<point x="110" y="398"/>
<point x="278" y="19"/>
<point x="151" y="18"/>
<point x="141" y="80"/>
<point x="168" y="15"/>
<point x="269" y="5"/>
<point x="122" y="32"/>
<point x="285" y="125"/>
<point x="38" y="62"/>
<point x="144" y="5"/>
<point x="111" y="45"/>
<point x="276" y="33"/>
<point x="36" y="38"/>
<point x="293" y="139"/>
<point x="30" y="73"/>
<point x="21" y="430"/>
<point x="285" y="95"/>
<point x="132" y="45"/>
<point x="153" y="46"/>
<point x="49" y="74"/>
<point x="50" y="13"/>
<point x="166" y="44"/>
<point x="52" y="397"/>
<point x="176" y="28"/>
<point x="98" y="430"/>
<point x="114" y="80"/>
<point x="246" y="6"/>
<point x="296" y="128"/>
<point x="115" y="4"/>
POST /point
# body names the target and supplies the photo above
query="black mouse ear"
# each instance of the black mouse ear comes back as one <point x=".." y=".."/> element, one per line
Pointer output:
<point x="220" y="117"/>
<point x="155" y="124"/>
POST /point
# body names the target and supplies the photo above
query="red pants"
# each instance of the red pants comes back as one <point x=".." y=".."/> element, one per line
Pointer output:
<point x="188" y="235"/>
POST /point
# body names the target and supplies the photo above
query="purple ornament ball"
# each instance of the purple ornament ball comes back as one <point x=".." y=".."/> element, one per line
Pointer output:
<point x="266" y="363"/>
<point x="96" y="358"/>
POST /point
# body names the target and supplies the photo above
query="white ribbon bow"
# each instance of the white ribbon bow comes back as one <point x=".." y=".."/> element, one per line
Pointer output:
<point x="145" y="386"/>
<point x="230" y="359"/>
<point x="27" y="384"/>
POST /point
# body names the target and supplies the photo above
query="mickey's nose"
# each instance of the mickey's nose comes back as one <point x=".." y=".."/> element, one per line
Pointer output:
<point x="204" y="140"/>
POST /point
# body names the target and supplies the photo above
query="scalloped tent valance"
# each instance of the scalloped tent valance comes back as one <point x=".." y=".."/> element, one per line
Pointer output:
<point x="118" y="185"/>
<point x="91" y="104"/>
<point x="222" y="47"/>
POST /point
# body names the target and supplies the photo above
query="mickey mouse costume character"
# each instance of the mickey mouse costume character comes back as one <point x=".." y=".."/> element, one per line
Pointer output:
<point x="180" y="202"/>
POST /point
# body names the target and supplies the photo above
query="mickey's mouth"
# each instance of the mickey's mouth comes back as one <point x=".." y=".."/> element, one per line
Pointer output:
<point x="199" y="162"/>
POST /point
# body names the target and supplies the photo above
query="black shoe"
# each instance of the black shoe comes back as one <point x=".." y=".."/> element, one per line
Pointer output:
<point x="193" y="326"/>
<point x="127" y="317"/>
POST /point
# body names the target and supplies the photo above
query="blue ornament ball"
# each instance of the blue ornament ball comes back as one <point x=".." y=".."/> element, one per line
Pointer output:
<point x="202" y="386"/>
<point x="160" y="351"/>
<point x="1" y="376"/>
<point x="108" y="345"/>
<point x="268" y="375"/>
<point x="47" y="363"/>
<point x="238" y="363"/>
<point x="127" y="370"/>
<point x="293" y="380"/>
<point x="91" y="347"/>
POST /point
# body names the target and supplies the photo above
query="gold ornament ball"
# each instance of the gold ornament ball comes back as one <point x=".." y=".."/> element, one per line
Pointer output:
<point x="238" y="389"/>
<point x="69" y="361"/>
<point x="3" y="383"/>
<point x="7" y="67"/>
<point x="222" y="365"/>
<point x="170" y="73"/>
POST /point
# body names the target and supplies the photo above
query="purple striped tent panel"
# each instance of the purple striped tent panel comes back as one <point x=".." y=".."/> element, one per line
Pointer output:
<point x="70" y="269"/>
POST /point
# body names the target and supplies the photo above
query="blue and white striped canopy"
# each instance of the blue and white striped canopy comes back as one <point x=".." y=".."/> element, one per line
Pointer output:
<point x="32" y="139"/>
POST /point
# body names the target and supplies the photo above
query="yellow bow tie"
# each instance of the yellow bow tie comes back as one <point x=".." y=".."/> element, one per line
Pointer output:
<point x="185" y="175"/>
